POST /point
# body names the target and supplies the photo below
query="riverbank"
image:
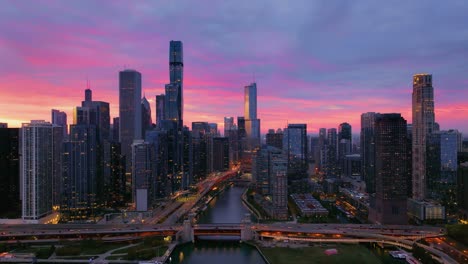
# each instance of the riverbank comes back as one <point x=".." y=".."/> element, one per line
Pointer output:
<point x="250" y="206"/>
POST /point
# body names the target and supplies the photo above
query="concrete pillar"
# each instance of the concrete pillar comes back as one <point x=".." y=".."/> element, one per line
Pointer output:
<point x="246" y="228"/>
<point x="188" y="234"/>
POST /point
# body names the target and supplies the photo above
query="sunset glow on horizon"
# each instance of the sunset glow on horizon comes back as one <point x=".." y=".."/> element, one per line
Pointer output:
<point x="323" y="65"/>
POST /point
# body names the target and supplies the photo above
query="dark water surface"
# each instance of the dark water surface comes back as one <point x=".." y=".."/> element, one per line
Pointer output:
<point x="227" y="208"/>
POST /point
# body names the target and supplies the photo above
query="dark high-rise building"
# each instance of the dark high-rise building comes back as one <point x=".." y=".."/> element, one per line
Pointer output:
<point x="60" y="118"/>
<point x="233" y="145"/>
<point x="115" y="187"/>
<point x="423" y="126"/>
<point x="160" y="108"/>
<point x="171" y="109"/>
<point x="409" y="170"/>
<point x="146" y="121"/>
<point x="187" y="158"/>
<point x="314" y="149"/>
<point x="321" y="158"/>
<point x="176" y="76"/>
<point x="79" y="178"/>
<point x="174" y="154"/>
<point x="332" y="153"/>
<point x="462" y="184"/>
<point x="275" y="139"/>
<point x="241" y="126"/>
<point x="390" y="205"/>
<point x="368" y="150"/>
<point x="214" y="129"/>
<point x="220" y="154"/>
<point x="200" y="158"/>
<point x="344" y="144"/>
<point x="159" y="140"/>
<point x="269" y="174"/>
<point x="129" y="112"/>
<point x="200" y="128"/>
<point x="295" y="147"/>
<point x="98" y="114"/>
<point x="10" y="207"/>
<point x="142" y="173"/>
<point x="441" y="169"/>
<point x="116" y="129"/>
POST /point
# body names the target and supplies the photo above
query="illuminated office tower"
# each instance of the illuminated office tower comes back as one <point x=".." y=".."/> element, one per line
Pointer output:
<point x="423" y="126"/>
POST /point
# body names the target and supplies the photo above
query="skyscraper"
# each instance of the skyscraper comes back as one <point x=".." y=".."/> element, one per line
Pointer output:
<point x="116" y="130"/>
<point x="295" y="147"/>
<point x="368" y="149"/>
<point x="171" y="102"/>
<point x="160" y="112"/>
<point x="37" y="157"/>
<point x="228" y="123"/>
<point x="250" y="101"/>
<point x="391" y="177"/>
<point x="142" y="173"/>
<point x="146" y="121"/>
<point x="332" y="153"/>
<point x="441" y="169"/>
<point x="252" y="124"/>
<point x="129" y="111"/>
<point x="9" y="173"/>
<point x="176" y="72"/>
<point x="80" y="177"/>
<point x="275" y="139"/>
<point x="321" y="159"/>
<point x="220" y="153"/>
<point x="423" y="126"/>
<point x="344" y="144"/>
<point x="60" y="118"/>
<point x="269" y="173"/>
<point x="99" y="115"/>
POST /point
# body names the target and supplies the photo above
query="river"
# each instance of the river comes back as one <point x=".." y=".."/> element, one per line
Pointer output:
<point x="226" y="208"/>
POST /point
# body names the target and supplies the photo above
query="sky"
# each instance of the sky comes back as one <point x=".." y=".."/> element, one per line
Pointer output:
<point x="315" y="62"/>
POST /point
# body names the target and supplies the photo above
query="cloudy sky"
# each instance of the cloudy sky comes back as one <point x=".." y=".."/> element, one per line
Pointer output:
<point x="315" y="62"/>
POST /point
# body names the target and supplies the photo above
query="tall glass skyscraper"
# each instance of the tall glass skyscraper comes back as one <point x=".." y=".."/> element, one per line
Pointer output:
<point x="129" y="111"/>
<point x="368" y="149"/>
<point x="423" y="126"/>
<point x="250" y="101"/>
<point x="252" y="123"/>
<point x="176" y="72"/>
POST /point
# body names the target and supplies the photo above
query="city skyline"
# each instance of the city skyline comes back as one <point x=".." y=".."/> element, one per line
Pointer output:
<point x="338" y="63"/>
